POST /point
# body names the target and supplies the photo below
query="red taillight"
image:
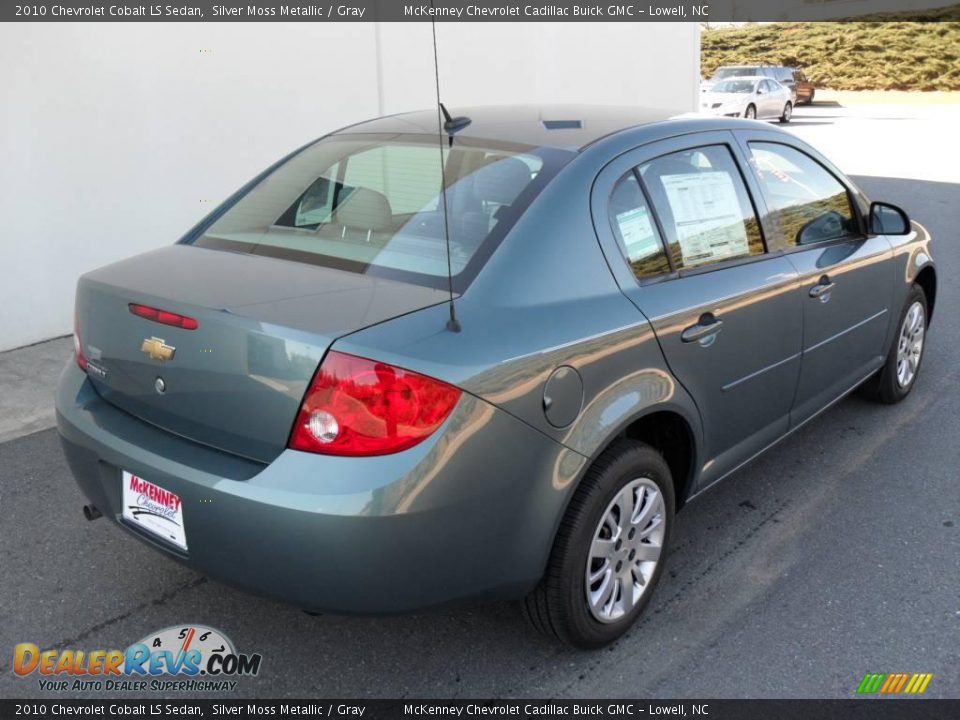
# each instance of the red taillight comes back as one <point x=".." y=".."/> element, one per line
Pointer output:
<point x="77" y="342"/>
<point x="356" y="406"/>
<point x="162" y="316"/>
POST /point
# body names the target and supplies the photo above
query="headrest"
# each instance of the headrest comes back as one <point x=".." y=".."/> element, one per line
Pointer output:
<point x="501" y="181"/>
<point x="365" y="209"/>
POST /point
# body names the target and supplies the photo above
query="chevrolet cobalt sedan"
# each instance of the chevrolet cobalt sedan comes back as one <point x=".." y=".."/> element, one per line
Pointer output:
<point x="406" y="366"/>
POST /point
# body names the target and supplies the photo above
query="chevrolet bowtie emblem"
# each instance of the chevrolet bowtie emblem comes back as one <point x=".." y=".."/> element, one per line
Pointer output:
<point x="157" y="349"/>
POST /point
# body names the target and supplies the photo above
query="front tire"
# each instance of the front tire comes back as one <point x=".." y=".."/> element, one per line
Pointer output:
<point x="609" y="551"/>
<point x="787" y="113"/>
<point x="894" y="381"/>
<point x="750" y="113"/>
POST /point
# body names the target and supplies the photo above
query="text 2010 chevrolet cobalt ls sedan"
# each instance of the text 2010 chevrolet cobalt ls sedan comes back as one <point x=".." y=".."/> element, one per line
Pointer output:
<point x="642" y="305"/>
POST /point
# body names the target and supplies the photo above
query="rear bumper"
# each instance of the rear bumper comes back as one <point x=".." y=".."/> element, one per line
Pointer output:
<point x="470" y="512"/>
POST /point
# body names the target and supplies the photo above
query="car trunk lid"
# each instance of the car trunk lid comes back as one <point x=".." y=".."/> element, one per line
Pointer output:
<point x="237" y="380"/>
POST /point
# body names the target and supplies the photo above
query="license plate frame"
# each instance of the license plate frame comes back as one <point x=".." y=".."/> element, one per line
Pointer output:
<point x="153" y="509"/>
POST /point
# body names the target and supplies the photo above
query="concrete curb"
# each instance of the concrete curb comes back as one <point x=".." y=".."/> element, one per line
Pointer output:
<point x="28" y="377"/>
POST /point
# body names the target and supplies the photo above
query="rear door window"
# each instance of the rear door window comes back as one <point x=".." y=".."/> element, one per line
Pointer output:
<point x="703" y="206"/>
<point x="635" y="229"/>
<point x="806" y="204"/>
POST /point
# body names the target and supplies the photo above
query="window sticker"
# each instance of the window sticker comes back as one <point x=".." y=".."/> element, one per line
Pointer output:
<point x="638" y="234"/>
<point x="707" y="214"/>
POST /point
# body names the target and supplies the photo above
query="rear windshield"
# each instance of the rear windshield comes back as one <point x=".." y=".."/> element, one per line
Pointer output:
<point x="373" y="204"/>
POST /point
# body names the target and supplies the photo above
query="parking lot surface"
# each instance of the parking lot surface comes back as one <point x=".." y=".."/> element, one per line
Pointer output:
<point x="835" y="554"/>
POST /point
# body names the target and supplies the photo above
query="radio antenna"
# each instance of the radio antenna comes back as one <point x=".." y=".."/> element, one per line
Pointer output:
<point x="451" y="126"/>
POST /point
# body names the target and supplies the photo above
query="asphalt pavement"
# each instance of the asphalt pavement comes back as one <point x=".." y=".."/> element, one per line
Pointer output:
<point x="835" y="554"/>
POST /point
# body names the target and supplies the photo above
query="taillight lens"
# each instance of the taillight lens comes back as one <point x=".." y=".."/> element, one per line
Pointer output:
<point x="356" y="406"/>
<point x="77" y="342"/>
<point x="163" y="316"/>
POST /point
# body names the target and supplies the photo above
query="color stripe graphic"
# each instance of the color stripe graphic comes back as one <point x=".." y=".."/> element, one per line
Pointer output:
<point x="894" y="683"/>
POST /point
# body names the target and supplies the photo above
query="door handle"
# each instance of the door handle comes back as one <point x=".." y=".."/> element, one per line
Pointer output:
<point x="820" y="290"/>
<point x="706" y="326"/>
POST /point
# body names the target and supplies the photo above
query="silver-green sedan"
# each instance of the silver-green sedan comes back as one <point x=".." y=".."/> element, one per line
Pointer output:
<point x="403" y="367"/>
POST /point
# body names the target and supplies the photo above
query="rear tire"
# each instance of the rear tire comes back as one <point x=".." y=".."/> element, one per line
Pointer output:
<point x="787" y="113"/>
<point x="809" y="100"/>
<point x="614" y="535"/>
<point x="750" y="113"/>
<point x="894" y="381"/>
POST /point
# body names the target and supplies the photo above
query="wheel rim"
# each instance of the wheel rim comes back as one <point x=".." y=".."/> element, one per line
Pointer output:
<point x="787" y="111"/>
<point x="751" y="113"/>
<point x="910" y="344"/>
<point x="625" y="550"/>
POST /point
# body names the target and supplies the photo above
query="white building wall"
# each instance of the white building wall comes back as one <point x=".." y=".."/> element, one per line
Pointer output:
<point x="117" y="137"/>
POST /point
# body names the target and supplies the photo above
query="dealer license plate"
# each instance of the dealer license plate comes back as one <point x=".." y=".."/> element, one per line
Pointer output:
<point x="157" y="511"/>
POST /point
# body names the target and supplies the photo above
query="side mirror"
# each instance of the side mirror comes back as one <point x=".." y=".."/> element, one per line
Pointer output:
<point x="886" y="219"/>
<point x="759" y="91"/>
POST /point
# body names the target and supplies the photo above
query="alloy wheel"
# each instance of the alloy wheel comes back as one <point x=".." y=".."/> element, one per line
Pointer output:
<point x="910" y="344"/>
<point x="625" y="551"/>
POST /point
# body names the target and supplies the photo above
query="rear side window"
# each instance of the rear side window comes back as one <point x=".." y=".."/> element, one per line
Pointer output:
<point x="635" y="230"/>
<point x="703" y="205"/>
<point x="806" y="203"/>
<point x="373" y="204"/>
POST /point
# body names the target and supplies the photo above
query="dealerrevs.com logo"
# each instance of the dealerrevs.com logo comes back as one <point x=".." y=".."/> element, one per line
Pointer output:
<point x="178" y="658"/>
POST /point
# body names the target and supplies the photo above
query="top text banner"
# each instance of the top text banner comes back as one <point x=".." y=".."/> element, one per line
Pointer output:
<point x="455" y="10"/>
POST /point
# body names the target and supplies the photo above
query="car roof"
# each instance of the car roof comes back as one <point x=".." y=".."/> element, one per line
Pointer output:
<point x="570" y="127"/>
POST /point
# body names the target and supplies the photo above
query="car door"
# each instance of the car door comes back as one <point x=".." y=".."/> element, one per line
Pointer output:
<point x="783" y="96"/>
<point x="779" y="96"/>
<point x="766" y="99"/>
<point x="676" y="221"/>
<point x="846" y="277"/>
<point x="802" y="85"/>
<point x="759" y="98"/>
